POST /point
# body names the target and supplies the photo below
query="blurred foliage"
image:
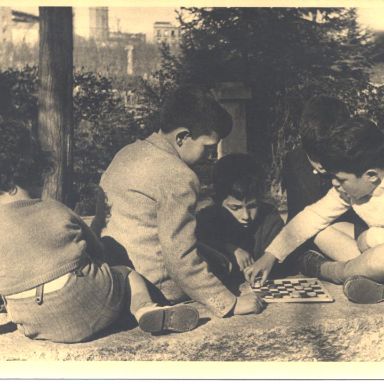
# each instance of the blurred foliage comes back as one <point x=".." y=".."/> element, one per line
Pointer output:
<point x="110" y="59"/>
<point x="18" y="55"/>
<point x="286" y="56"/>
<point x="102" y="124"/>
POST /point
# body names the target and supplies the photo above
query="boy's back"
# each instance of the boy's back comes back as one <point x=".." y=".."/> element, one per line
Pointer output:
<point x="152" y="194"/>
<point x="136" y="182"/>
<point x="302" y="185"/>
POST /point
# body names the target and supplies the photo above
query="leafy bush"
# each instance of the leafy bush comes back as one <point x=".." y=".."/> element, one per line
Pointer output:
<point x="102" y="124"/>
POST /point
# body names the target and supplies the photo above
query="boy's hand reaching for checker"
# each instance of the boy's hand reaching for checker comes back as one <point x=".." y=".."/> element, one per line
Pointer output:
<point x="249" y="303"/>
<point x="243" y="258"/>
<point x="262" y="266"/>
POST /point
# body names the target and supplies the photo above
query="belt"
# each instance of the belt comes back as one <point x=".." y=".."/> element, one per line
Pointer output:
<point x="37" y="292"/>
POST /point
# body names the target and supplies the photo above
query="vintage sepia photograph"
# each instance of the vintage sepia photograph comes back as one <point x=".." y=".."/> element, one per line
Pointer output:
<point x="192" y="183"/>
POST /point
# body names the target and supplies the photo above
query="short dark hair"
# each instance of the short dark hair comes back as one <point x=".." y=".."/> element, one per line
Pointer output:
<point x="238" y="175"/>
<point x="320" y="115"/>
<point x="22" y="162"/>
<point x="353" y="147"/>
<point x="194" y="107"/>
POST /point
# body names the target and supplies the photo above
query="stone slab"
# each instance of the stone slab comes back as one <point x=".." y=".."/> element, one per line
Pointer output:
<point x="339" y="331"/>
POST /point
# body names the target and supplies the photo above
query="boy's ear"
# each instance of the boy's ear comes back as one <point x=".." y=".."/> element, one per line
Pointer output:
<point x="373" y="176"/>
<point x="181" y="135"/>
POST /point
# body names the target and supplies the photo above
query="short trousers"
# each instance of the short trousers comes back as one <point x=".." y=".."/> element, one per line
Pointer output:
<point x="91" y="300"/>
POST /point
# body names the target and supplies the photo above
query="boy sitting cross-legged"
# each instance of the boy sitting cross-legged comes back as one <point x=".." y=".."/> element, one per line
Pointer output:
<point x="353" y="155"/>
<point x="152" y="193"/>
<point x="54" y="278"/>
<point x="306" y="181"/>
<point x="239" y="224"/>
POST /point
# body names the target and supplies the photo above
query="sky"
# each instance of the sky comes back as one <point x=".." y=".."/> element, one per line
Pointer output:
<point x="372" y="17"/>
<point x="133" y="20"/>
<point x="136" y="19"/>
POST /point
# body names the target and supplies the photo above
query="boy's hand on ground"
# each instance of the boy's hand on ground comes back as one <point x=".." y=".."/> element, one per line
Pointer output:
<point x="243" y="258"/>
<point x="262" y="267"/>
<point x="249" y="303"/>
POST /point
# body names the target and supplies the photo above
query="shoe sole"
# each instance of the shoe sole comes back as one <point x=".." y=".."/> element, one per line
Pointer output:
<point x="361" y="290"/>
<point x="181" y="318"/>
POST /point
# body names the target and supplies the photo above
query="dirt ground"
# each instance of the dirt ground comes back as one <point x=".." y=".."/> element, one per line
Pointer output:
<point x="338" y="331"/>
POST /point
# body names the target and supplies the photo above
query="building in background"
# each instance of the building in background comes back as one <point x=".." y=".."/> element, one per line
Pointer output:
<point x="105" y="51"/>
<point x="129" y="38"/>
<point x="18" y="27"/>
<point x="166" y="32"/>
<point x="114" y="52"/>
<point x="19" y="36"/>
<point x="98" y="23"/>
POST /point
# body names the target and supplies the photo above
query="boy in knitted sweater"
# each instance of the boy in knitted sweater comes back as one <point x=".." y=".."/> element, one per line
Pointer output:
<point x="54" y="278"/>
<point x="239" y="224"/>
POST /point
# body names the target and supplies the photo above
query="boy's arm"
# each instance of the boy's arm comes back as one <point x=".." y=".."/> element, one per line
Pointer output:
<point x="307" y="224"/>
<point x="176" y="226"/>
<point x="239" y="255"/>
<point x="302" y="227"/>
<point x="95" y="247"/>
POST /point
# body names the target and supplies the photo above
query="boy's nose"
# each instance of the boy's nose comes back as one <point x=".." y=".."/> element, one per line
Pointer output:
<point x="245" y="214"/>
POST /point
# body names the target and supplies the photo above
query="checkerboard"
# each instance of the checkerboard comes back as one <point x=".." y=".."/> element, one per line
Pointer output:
<point x="300" y="290"/>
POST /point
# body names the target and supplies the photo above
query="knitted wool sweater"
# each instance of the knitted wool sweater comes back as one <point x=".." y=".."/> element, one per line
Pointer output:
<point x="39" y="242"/>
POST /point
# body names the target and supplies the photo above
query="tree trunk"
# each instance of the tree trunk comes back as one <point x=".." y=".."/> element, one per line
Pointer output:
<point x="55" y="98"/>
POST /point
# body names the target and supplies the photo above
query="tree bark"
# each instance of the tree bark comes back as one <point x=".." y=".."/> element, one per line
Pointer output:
<point x="55" y="98"/>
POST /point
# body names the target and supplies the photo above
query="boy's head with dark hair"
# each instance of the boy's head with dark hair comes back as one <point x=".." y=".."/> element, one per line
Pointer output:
<point x="193" y="121"/>
<point x="238" y="186"/>
<point x="22" y="163"/>
<point x="320" y="115"/>
<point x="353" y="154"/>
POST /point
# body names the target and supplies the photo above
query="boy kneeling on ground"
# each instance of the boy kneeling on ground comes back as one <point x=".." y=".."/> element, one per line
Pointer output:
<point x="353" y="156"/>
<point x="54" y="278"/>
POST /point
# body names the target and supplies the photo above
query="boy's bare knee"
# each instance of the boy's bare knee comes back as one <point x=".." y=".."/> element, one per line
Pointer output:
<point x="337" y="242"/>
<point x="325" y="235"/>
<point x="376" y="253"/>
<point x="374" y="236"/>
<point x="373" y="260"/>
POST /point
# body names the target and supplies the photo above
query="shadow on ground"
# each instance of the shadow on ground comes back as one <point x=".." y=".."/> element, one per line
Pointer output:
<point x="339" y="331"/>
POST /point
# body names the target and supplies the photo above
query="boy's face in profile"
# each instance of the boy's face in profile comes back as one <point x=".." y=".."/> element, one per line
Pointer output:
<point x="244" y="211"/>
<point x="193" y="150"/>
<point x="356" y="187"/>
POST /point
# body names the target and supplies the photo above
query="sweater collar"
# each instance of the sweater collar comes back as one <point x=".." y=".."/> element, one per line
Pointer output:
<point x="160" y="142"/>
<point x="21" y="203"/>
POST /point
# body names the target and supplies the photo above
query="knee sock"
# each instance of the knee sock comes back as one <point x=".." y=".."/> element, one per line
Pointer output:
<point x="333" y="271"/>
